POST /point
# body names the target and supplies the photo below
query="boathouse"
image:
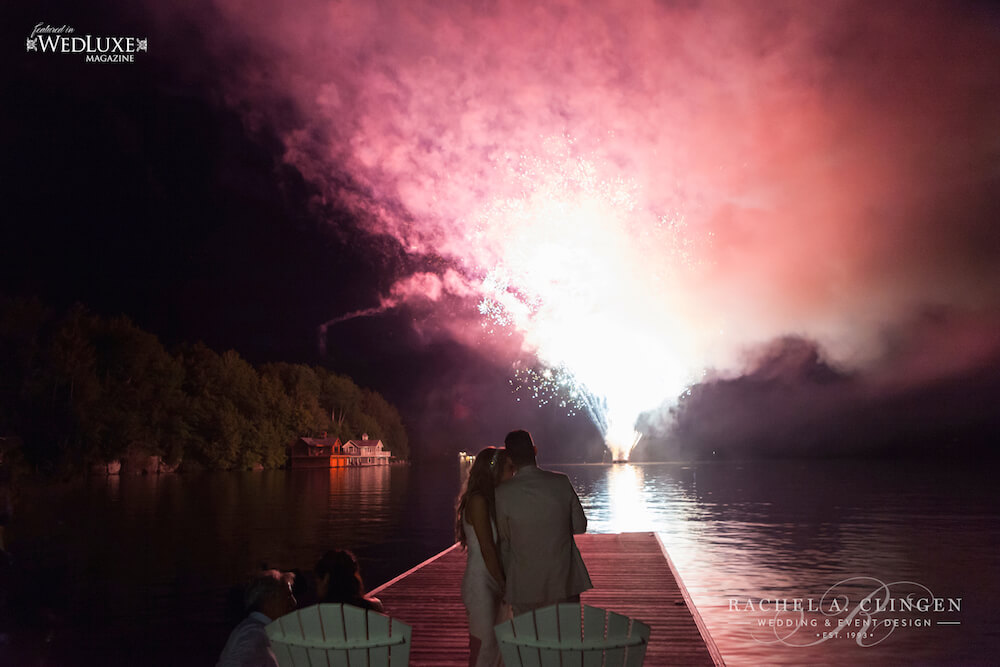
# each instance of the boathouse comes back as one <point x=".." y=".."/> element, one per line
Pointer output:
<point x="365" y="452"/>
<point x="332" y="453"/>
<point x="317" y="453"/>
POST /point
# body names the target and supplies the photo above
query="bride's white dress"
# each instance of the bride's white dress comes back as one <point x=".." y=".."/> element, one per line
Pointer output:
<point x="483" y="599"/>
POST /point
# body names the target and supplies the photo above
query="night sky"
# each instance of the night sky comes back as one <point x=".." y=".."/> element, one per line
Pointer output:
<point x="787" y="215"/>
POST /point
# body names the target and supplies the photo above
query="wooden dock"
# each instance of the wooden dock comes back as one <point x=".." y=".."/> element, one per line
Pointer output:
<point x="632" y="575"/>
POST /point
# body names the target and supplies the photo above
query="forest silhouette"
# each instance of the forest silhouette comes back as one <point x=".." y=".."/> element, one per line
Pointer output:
<point x="78" y="390"/>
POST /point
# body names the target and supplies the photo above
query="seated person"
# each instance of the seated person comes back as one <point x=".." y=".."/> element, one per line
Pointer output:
<point x="269" y="596"/>
<point x="338" y="579"/>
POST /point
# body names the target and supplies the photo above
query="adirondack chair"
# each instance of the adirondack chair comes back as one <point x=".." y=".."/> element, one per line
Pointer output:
<point x="575" y="635"/>
<point x="339" y="635"/>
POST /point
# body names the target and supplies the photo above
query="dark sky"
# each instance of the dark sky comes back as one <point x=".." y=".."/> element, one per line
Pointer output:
<point x="729" y="177"/>
<point x="134" y="190"/>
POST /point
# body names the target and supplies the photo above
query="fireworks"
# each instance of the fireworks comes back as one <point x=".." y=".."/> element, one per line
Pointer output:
<point x="586" y="275"/>
<point x="558" y="386"/>
<point x="565" y="250"/>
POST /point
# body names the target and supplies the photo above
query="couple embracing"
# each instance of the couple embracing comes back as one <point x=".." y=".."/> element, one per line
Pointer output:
<point x="516" y="523"/>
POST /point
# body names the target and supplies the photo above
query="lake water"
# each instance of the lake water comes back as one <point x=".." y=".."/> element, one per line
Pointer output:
<point x="136" y="569"/>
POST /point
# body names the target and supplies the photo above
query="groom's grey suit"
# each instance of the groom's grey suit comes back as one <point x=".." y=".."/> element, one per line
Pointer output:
<point x="538" y="512"/>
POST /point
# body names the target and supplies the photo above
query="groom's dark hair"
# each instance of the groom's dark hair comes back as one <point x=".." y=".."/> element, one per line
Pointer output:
<point x="520" y="447"/>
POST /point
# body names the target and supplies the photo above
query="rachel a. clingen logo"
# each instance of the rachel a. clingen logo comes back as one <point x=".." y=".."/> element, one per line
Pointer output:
<point x="865" y="610"/>
<point x="45" y="38"/>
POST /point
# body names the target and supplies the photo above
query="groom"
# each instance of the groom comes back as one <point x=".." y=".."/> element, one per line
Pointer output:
<point x="538" y="512"/>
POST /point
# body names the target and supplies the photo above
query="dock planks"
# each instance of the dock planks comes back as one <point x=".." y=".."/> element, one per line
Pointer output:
<point x="632" y="575"/>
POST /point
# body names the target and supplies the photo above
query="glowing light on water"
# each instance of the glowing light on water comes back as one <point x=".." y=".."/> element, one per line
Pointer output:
<point x="628" y="509"/>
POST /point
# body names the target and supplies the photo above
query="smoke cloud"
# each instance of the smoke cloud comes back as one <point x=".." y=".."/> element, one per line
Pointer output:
<point x="639" y="191"/>
<point x="791" y="400"/>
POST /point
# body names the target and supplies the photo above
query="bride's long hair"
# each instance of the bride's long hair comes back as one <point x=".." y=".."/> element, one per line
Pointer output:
<point x="484" y="475"/>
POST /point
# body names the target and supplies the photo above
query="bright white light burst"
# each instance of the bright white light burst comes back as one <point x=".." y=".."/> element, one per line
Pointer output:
<point x="589" y="278"/>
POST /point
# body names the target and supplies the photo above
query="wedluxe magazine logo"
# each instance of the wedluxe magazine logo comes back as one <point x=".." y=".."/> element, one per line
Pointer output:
<point x="45" y="38"/>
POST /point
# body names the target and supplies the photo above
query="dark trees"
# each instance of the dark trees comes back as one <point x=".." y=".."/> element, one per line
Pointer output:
<point x="82" y="389"/>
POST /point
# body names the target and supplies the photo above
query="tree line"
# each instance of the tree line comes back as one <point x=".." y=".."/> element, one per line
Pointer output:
<point x="78" y="389"/>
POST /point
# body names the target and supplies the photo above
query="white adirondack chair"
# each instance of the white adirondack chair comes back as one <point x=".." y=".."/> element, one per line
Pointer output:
<point x="339" y="635"/>
<point x="575" y="635"/>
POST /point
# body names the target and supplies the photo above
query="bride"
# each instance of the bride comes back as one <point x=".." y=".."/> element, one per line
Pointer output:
<point x="475" y="528"/>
